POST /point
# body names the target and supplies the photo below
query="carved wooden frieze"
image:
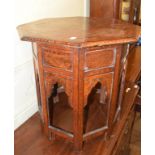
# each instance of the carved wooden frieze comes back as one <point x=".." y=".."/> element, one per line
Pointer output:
<point x="51" y="79"/>
<point x="106" y="81"/>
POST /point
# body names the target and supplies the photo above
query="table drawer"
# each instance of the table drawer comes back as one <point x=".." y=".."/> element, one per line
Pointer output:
<point x="100" y="58"/>
<point x="57" y="57"/>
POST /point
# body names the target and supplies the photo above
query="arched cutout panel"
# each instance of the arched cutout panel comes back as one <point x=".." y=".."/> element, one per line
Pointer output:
<point x="60" y="112"/>
<point x="97" y="102"/>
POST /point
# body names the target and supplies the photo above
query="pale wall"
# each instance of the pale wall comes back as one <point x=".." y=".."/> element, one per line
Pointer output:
<point x="26" y="11"/>
<point x="86" y="8"/>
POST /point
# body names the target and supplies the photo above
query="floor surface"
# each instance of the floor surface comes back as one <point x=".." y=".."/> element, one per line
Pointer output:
<point x="29" y="140"/>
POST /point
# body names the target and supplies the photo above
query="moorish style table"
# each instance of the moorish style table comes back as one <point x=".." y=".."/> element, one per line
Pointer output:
<point x="80" y="61"/>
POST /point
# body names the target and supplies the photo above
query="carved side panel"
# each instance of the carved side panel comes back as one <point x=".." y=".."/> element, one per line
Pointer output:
<point x="106" y="81"/>
<point x="124" y="63"/>
<point x="51" y="79"/>
<point x="97" y="99"/>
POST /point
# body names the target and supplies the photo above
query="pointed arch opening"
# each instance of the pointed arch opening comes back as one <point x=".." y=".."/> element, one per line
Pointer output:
<point x="60" y="111"/>
<point x="96" y="109"/>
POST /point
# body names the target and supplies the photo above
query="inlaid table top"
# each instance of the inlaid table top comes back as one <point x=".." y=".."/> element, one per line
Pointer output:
<point x="80" y="31"/>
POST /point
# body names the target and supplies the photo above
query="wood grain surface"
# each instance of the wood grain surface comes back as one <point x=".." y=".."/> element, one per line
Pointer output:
<point x="81" y="31"/>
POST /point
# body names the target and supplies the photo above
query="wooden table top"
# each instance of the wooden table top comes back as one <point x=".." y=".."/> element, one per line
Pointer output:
<point x="79" y="31"/>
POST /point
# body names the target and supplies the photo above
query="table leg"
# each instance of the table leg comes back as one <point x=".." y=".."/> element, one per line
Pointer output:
<point x="78" y="100"/>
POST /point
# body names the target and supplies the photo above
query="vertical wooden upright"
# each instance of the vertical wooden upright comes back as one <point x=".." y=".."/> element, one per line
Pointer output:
<point x="78" y="101"/>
